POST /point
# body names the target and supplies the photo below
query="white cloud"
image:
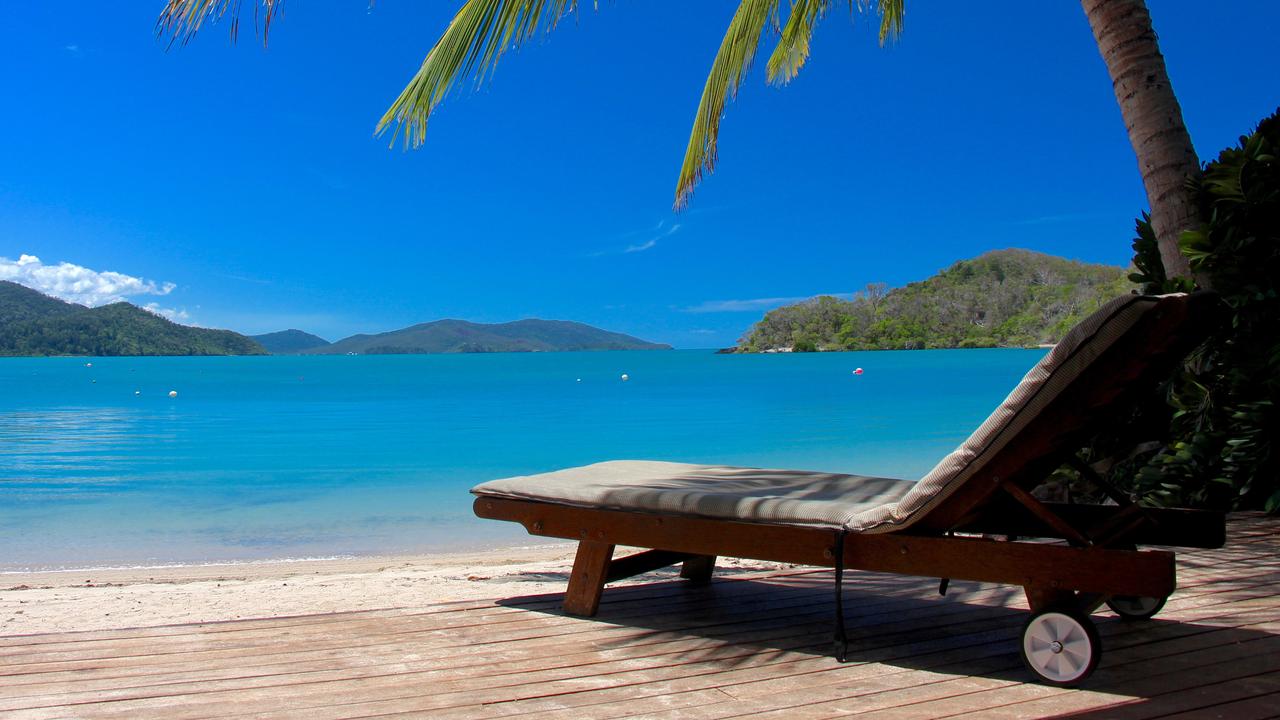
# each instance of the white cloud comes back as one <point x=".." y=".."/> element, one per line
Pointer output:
<point x="651" y="242"/>
<point x="76" y="283"/>
<point x="178" y="316"/>
<point x="714" y="306"/>
<point x="752" y="304"/>
<point x="654" y="235"/>
<point x="646" y="245"/>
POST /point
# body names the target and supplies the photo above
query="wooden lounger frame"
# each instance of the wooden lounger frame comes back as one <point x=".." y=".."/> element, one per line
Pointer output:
<point x="1099" y="558"/>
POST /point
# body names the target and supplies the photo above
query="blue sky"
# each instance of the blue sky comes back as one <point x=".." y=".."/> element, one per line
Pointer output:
<point x="248" y="184"/>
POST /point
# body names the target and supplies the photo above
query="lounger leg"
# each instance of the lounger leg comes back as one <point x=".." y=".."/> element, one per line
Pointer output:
<point x="590" y="569"/>
<point x="698" y="568"/>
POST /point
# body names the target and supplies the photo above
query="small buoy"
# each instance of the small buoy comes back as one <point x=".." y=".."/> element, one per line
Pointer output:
<point x="173" y="393"/>
<point x="95" y="382"/>
<point x="88" y="364"/>
<point x="625" y="377"/>
<point x="857" y="371"/>
<point x="137" y="392"/>
<point x="579" y="379"/>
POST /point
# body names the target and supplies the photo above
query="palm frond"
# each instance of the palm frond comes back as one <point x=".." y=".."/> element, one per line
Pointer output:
<point x="793" y="45"/>
<point x="734" y="59"/>
<point x="474" y="40"/>
<point x="891" y="16"/>
<point x="181" y="19"/>
<point x="482" y="30"/>
<point x="727" y="71"/>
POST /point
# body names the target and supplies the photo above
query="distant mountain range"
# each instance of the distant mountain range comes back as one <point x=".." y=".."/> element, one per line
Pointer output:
<point x="32" y="323"/>
<point x="1002" y="298"/>
<point x="289" y="342"/>
<point x="460" y="336"/>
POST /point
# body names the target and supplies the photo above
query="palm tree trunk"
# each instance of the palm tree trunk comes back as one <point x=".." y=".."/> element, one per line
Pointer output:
<point x="1122" y="29"/>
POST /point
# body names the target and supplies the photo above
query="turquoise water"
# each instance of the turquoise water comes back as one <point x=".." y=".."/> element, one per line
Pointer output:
<point x="291" y="457"/>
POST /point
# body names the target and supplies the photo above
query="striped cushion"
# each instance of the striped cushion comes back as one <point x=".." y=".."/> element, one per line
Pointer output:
<point x="788" y="497"/>
<point x="1044" y="382"/>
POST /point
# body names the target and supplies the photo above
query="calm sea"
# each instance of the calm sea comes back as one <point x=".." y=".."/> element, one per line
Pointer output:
<point x="296" y="457"/>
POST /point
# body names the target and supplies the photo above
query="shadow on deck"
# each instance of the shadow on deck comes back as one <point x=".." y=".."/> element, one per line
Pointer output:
<point x="746" y="644"/>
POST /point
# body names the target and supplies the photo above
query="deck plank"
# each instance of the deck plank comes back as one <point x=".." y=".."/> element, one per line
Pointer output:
<point x="749" y="645"/>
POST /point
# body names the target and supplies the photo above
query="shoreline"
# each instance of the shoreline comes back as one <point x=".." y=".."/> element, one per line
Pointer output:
<point x="354" y="559"/>
<point x="78" y="600"/>
<point x="273" y="567"/>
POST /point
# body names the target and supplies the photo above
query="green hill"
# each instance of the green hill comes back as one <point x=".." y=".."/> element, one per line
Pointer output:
<point x="22" y="304"/>
<point x="460" y="336"/>
<point x="32" y="323"/>
<point x="1003" y="298"/>
<point x="289" y="342"/>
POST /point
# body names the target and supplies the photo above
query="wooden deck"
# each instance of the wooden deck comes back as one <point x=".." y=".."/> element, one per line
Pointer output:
<point x="745" y="646"/>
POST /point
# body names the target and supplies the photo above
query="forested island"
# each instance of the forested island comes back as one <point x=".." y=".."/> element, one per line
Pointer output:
<point x="461" y="336"/>
<point x="289" y="342"/>
<point x="1003" y="298"/>
<point x="34" y="324"/>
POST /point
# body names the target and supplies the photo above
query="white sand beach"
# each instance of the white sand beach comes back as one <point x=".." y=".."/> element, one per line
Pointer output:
<point x="68" y="601"/>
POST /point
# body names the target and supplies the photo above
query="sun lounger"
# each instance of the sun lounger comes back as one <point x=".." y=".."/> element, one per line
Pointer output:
<point x="1069" y="558"/>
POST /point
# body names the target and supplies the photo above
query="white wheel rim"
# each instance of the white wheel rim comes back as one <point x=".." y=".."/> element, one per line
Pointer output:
<point x="1135" y="605"/>
<point x="1057" y="647"/>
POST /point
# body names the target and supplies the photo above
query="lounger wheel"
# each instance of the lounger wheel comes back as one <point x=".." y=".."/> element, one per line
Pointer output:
<point x="1060" y="646"/>
<point x="1129" y="607"/>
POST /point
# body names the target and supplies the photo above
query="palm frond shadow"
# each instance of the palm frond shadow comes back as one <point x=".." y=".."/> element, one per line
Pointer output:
<point x="894" y="625"/>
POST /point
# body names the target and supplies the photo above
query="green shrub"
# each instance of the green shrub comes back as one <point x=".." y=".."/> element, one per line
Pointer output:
<point x="1220" y="411"/>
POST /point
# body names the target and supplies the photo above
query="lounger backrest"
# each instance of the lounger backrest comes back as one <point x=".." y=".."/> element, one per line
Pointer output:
<point x="1130" y="321"/>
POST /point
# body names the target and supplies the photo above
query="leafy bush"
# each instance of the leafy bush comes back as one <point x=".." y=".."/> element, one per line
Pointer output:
<point x="1220" y="413"/>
